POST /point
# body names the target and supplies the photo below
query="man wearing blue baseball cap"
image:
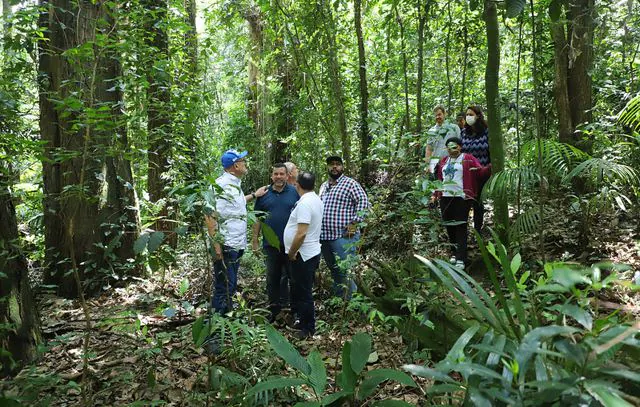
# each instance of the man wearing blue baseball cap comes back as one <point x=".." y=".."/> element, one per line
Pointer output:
<point x="227" y="227"/>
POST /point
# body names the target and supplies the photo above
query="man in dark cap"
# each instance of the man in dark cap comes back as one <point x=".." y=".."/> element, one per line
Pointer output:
<point x="345" y="203"/>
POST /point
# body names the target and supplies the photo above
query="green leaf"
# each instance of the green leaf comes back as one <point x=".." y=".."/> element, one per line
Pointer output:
<point x="393" y="403"/>
<point x="429" y="373"/>
<point x="623" y="373"/>
<point x="582" y="316"/>
<point x="270" y="235"/>
<point x="318" y="376"/>
<point x="332" y="398"/>
<point x="277" y="383"/>
<point x="515" y="263"/>
<point x="607" y="395"/>
<point x="457" y="350"/>
<point x="151" y="378"/>
<point x="199" y="331"/>
<point x="360" y="351"/>
<point x="568" y="278"/>
<point x="155" y="240"/>
<point x="347" y="377"/>
<point x="308" y="404"/>
<point x="141" y="243"/>
<point x="286" y="351"/>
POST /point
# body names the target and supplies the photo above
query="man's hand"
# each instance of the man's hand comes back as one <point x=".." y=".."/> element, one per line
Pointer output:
<point x="261" y="191"/>
<point x="293" y="255"/>
<point x="352" y="228"/>
<point x="218" y="250"/>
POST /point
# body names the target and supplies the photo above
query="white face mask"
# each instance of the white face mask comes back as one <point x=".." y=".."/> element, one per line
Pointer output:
<point x="471" y="120"/>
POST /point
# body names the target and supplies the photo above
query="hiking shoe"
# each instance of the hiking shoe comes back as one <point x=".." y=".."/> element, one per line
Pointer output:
<point x="460" y="264"/>
<point x="452" y="260"/>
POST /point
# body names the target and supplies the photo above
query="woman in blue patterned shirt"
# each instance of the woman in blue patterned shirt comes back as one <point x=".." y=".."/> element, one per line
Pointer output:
<point x="475" y="141"/>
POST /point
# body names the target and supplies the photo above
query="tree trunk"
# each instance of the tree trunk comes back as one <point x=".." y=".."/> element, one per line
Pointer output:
<point x="492" y="74"/>
<point x="254" y="19"/>
<point x="159" y="114"/>
<point x="405" y="72"/>
<point x="336" y="85"/>
<point x="87" y="185"/>
<point x="190" y="134"/>
<point x="581" y="26"/>
<point x="285" y="124"/>
<point x="422" y="19"/>
<point x="365" y="137"/>
<point x="561" y="87"/>
<point x="19" y="319"/>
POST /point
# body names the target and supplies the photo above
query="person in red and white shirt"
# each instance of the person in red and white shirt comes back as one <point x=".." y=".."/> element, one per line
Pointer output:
<point x="461" y="174"/>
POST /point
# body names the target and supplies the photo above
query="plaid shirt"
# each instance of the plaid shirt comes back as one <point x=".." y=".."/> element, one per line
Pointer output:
<point x="344" y="203"/>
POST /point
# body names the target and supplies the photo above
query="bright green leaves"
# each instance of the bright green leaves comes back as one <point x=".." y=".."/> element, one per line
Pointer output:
<point x="354" y="382"/>
<point x="148" y="240"/>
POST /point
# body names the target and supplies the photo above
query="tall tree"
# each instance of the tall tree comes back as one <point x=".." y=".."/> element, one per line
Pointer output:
<point x="159" y="113"/>
<point x="19" y="320"/>
<point x="422" y="21"/>
<point x="336" y="81"/>
<point x="572" y="26"/>
<point x="363" y="125"/>
<point x="89" y="207"/>
<point x="253" y="15"/>
<point x="492" y="75"/>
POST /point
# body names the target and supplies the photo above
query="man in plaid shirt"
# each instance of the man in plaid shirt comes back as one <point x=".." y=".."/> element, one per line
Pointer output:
<point x="345" y="204"/>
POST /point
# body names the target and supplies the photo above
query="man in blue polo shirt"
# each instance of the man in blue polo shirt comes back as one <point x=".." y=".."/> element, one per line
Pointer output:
<point x="278" y="203"/>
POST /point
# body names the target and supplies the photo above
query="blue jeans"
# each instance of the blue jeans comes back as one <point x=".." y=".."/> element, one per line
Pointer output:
<point x="225" y="273"/>
<point x="341" y="250"/>
<point x="302" y="277"/>
<point x="277" y="264"/>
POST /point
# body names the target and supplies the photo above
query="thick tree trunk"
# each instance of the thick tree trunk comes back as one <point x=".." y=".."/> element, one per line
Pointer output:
<point x="191" y="43"/>
<point x="496" y="146"/>
<point x="19" y="320"/>
<point x="87" y="185"/>
<point x="285" y="124"/>
<point x="561" y="86"/>
<point x="336" y="85"/>
<point x="581" y="26"/>
<point x="159" y="113"/>
<point x="363" y="125"/>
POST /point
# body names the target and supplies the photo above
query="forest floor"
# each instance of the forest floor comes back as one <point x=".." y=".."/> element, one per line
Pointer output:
<point x="141" y="350"/>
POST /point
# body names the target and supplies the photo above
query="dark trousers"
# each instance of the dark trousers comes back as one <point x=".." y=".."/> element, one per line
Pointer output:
<point x="225" y="279"/>
<point x="302" y="278"/>
<point x="455" y="214"/>
<point x="277" y="279"/>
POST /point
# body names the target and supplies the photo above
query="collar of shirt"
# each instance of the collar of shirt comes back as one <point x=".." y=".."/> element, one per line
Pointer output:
<point x="231" y="178"/>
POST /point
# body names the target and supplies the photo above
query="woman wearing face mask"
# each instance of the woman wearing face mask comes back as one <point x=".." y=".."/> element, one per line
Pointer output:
<point x="475" y="141"/>
<point x="461" y="173"/>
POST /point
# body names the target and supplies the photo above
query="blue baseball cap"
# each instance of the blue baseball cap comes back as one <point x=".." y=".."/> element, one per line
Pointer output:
<point x="231" y="156"/>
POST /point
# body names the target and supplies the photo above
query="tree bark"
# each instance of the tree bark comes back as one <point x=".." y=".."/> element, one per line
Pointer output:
<point x="87" y="184"/>
<point x="285" y="120"/>
<point x="422" y="20"/>
<point x="363" y="126"/>
<point x="496" y="146"/>
<point x="581" y="24"/>
<point x="159" y="114"/>
<point x="254" y="19"/>
<point x="19" y="319"/>
<point x="336" y="85"/>
<point x="190" y="134"/>
<point x="561" y="86"/>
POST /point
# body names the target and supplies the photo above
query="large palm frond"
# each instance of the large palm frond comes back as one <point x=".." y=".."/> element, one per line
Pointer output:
<point x="630" y="115"/>
<point x="557" y="157"/>
<point x="527" y="223"/>
<point x="607" y="170"/>
<point x="505" y="182"/>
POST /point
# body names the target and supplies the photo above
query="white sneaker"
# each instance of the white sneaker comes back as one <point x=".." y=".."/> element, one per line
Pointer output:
<point x="452" y="260"/>
<point x="460" y="264"/>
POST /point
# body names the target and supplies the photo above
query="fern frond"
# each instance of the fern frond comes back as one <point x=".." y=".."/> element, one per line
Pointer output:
<point x="600" y="169"/>
<point x="505" y="182"/>
<point x="556" y="157"/>
<point x="630" y="115"/>
<point x="526" y="223"/>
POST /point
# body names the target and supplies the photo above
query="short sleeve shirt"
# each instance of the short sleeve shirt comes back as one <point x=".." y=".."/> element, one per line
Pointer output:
<point x="279" y="206"/>
<point x="308" y="211"/>
<point x="437" y="137"/>
<point x="231" y="208"/>
<point x="344" y="203"/>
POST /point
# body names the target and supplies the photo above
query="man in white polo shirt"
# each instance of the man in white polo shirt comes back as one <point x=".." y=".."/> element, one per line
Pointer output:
<point x="302" y="245"/>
